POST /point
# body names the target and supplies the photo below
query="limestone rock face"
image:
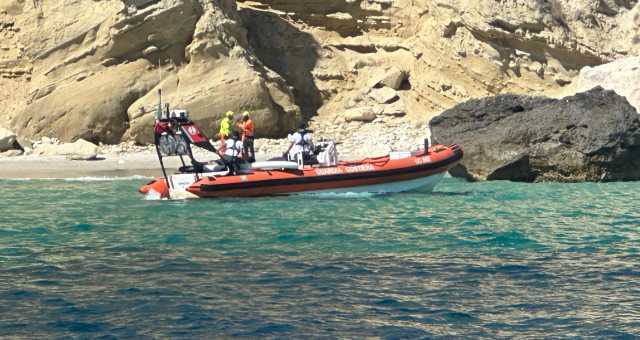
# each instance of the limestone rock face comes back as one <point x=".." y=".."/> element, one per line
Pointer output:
<point x="91" y="69"/>
<point x="221" y="76"/>
<point x="592" y="136"/>
<point x="622" y="76"/>
<point x="93" y="108"/>
<point x="78" y="150"/>
<point x="96" y="77"/>
<point x="438" y="53"/>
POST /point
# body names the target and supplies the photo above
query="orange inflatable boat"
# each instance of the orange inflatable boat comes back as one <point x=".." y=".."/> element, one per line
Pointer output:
<point x="396" y="172"/>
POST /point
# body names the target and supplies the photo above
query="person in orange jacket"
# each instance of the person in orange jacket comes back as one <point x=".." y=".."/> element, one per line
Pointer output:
<point x="247" y="128"/>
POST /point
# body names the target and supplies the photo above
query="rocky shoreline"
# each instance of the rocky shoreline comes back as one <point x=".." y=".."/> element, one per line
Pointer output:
<point x="356" y="140"/>
<point x="591" y="136"/>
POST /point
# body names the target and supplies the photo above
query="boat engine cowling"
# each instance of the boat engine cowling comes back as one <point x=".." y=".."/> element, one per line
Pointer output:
<point x="326" y="153"/>
<point x="172" y="145"/>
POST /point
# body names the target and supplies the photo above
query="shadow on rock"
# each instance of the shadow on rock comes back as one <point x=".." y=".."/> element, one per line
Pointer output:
<point x="288" y="51"/>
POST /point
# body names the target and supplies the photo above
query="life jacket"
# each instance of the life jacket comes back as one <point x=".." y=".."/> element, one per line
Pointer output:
<point x="247" y="128"/>
<point x="233" y="150"/>
<point x="302" y="141"/>
<point x="225" y="127"/>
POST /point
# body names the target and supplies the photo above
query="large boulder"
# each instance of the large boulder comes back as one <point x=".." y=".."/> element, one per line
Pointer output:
<point x="383" y="95"/>
<point x="78" y="150"/>
<point x="94" y="108"/>
<point x="391" y="77"/>
<point x="221" y="75"/>
<point x="7" y="140"/>
<point x="360" y="114"/>
<point x="98" y="77"/>
<point x="621" y="76"/>
<point x="396" y="109"/>
<point x="592" y="136"/>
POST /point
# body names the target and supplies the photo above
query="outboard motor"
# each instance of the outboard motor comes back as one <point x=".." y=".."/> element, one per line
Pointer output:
<point x="167" y="144"/>
<point x="173" y="142"/>
<point x="327" y="153"/>
<point x="182" y="149"/>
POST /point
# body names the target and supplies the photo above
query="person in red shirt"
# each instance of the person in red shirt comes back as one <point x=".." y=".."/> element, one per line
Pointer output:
<point x="246" y="125"/>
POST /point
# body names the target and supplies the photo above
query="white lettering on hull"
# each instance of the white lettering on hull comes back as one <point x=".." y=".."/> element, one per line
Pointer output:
<point x="328" y="171"/>
<point x="348" y="169"/>
<point x="360" y="168"/>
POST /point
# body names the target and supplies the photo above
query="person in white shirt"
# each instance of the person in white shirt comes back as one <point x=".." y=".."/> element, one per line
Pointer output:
<point x="232" y="152"/>
<point x="301" y="143"/>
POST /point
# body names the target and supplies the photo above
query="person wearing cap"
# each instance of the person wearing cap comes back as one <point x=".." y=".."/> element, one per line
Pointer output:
<point x="225" y="126"/>
<point x="246" y="126"/>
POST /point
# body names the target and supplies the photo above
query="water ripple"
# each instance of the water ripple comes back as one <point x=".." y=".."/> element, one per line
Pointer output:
<point x="496" y="260"/>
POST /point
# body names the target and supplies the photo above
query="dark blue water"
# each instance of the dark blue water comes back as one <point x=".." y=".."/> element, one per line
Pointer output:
<point x="93" y="259"/>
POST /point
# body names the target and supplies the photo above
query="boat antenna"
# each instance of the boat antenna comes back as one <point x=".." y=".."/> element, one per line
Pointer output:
<point x="158" y="115"/>
<point x="159" y="110"/>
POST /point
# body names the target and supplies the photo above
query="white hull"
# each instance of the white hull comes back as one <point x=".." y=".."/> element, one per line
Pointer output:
<point x="426" y="184"/>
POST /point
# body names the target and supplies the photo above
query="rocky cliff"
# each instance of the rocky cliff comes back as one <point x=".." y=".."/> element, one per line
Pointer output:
<point x="591" y="136"/>
<point x="91" y="69"/>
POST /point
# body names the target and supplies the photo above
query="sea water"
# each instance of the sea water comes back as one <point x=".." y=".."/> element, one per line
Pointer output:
<point x="92" y="258"/>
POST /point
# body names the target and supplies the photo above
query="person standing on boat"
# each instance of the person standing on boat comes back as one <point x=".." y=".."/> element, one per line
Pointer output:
<point x="301" y="144"/>
<point x="225" y="126"/>
<point x="232" y="152"/>
<point x="246" y="125"/>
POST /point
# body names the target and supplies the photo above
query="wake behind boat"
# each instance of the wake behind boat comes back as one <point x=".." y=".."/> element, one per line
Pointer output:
<point x="175" y="134"/>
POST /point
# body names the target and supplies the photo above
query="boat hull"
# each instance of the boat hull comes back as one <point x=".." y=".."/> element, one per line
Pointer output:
<point x="374" y="175"/>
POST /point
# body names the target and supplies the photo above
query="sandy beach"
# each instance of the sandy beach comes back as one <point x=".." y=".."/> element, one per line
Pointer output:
<point x="135" y="161"/>
<point x="110" y="165"/>
<point x="143" y="163"/>
<point x="106" y="165"/>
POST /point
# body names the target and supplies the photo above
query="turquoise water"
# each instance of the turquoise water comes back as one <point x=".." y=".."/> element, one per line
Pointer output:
<point x="93" y="259"/>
